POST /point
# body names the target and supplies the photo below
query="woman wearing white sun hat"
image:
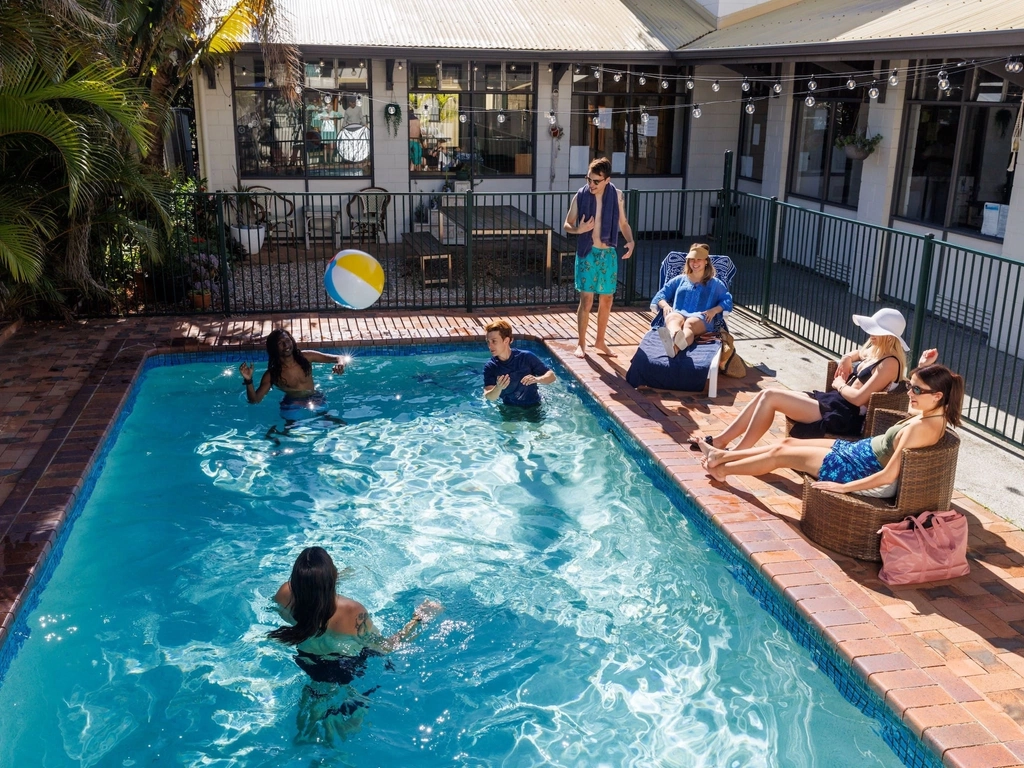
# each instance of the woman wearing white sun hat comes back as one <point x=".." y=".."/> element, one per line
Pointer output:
<point x="878" y="366"/>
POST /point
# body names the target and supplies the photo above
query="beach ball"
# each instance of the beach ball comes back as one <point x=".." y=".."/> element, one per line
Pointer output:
<point x="354" y="279"/>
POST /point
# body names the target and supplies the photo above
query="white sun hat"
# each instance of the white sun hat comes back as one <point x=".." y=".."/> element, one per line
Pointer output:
<point x="885" y="322"/>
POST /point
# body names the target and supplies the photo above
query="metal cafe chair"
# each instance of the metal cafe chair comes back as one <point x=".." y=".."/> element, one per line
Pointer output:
<point x="367" y="213"/>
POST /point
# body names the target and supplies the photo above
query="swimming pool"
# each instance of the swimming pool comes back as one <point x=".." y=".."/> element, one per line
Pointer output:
<point x="588" y="622"/>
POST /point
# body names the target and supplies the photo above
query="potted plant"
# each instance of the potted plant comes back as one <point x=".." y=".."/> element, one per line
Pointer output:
<point x="393" y="117"/>
<point x="202" y="298"/>
<point x="857" y="145"/>
<point x="249" y="229"/>
<point x="205" y="274"/>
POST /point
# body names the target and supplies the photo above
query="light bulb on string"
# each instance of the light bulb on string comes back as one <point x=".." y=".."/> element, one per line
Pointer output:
<point x="689" y="83"/>
<point x="463" y="117"/>
<point x="851" y="83"/>
<point x="577" y="69"/>
<point x="642" y="80"/>
<point x="745" y="85"/>
<point x="812" y="84"/>
<point x="644" y="117"/>
<point x="359" y="101"/>
<point x="1009" y="65"/>
<point x="243" y="71"/>
<point x="511" y="67"/>
<point x="321" y="63"/>
<point x="298" y="89"/>
<point x="697" y="111"/>
<point x="1018" y="66"/>
<point x="327" y="98"/>
<point x="664" y="85"/>
<point x="777" y="87"/>
<point x="617" y="77"/>
<point x="809" y="101"/>
<point x="551" y="117"/>
<point x="894" y="78"/>
<point x="501" y="117"/>
<point x="944" y="85"/>
<point x="750" y="107"/>
<point x="873" y="90"/>
<point x="596" y="120"/>
<point x="716" y="86"/>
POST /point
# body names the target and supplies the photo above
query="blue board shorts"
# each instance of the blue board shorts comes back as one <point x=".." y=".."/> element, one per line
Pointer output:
<point x="598" y="271"/>
<point x="299" y="408"/>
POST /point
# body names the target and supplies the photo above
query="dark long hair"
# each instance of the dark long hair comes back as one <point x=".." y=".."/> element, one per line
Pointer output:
<point x="941" y="379"/>
<point x="274" y="358"/>
<point x="314" y="596"/>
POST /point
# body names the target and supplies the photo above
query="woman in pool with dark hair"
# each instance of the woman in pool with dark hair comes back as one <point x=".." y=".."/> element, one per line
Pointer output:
<point x="333" y="636"/>
<point x="870" y="466"/>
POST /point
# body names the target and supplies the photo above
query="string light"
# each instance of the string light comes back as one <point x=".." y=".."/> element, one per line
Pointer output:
<point x="617" y="77"/>
<point x="750" y="107"/>
<point x="359" y="101"/>
<point x="777" y="87"/>
<point x="812" y="84"/>
<point x="851" y="83"/>
<point x="697" y="111"/>
<point x="745" y="85"/>
<point x="551" y="117"/>
<point x="642" y="80"/>
<point x="894" y="78"/>
<point x="664" y="85"/>
<point x="944" y="84"/>
<point x="298" y="89"/>
<point x="644" y="117"/>
<point x="689" y="83"/>
<point x="716" y="87"/>
<point x="463" y="117"/>
<point x="809" y="101"/>
<point x="501" y="117"/>
<point x="873" y="90"/>
<point x="596" y="121"/>
<point x="327" y="98"/>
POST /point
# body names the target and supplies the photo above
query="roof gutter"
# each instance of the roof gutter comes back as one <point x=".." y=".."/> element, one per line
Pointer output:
<point x="997" y="43"/>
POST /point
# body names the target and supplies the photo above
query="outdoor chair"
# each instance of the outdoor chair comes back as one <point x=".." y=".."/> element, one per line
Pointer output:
<point x="895" y="400"/>
<point x="691" y="367"/>
<point x="849" y="524"/>
<point x="279" y="213"/>
<point x="367" y="213"/>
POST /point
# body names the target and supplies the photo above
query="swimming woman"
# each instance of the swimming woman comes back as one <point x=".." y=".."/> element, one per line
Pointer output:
<point x="290" y="370"/>
<point x="878" y="366"/>
<point x="333" y="636"/>
<point x="689" y="302"/>
<point x="869" y="466"/>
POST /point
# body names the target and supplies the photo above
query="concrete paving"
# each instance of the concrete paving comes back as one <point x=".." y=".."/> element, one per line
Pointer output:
<point x="989" y="471"/>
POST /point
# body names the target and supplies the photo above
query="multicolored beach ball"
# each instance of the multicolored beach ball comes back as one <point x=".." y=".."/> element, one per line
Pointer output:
<point x="354" y="279"/>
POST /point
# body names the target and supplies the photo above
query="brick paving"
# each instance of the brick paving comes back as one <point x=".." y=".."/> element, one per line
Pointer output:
<point x="947" y="657"/>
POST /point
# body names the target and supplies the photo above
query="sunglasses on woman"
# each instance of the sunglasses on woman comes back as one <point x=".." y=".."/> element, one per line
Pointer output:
<point x="918" y="391"/>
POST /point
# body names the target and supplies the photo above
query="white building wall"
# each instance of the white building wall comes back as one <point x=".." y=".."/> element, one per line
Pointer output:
<point x="1013" y="241"/>
<point x="215" y="125"/>
<point x="716" y="131"/>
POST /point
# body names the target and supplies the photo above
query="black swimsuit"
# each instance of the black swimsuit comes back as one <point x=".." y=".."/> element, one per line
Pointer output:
<point x="838" y="415"/>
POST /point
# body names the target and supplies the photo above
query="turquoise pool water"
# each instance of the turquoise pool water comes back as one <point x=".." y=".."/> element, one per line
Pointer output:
<point x="587" y="621"/>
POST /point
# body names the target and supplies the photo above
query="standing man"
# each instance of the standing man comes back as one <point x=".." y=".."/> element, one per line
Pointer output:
<point x="597" y="215"/>
<point x="512" y="374"/>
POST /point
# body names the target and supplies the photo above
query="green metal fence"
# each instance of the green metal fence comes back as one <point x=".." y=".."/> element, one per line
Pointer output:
<point x="804" y="271"/>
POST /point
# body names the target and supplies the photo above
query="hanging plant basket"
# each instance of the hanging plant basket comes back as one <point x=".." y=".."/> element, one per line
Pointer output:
<point x="393" y="117"/>
<point x="855" y="153"/>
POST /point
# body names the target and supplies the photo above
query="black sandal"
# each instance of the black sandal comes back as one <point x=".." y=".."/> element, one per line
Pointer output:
<point x="695" y="440"/>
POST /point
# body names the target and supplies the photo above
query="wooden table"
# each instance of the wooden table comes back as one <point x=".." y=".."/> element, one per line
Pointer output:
<point x="500" y="221"/>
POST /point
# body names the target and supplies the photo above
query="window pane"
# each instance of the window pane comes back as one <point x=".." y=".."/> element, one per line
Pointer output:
<point x="928" y="162"/>
<point x="649" y="146"/>
<point x="319" y="75"/>
<point x="269" y="134"/>
<point x="585" y="79"/>
<point x="607" y="138"/>
<point x="337" y="135"/>
<point x="925" y="85"/>
<point x="435" y="133"/>
<point x="982" y="176"/>
<point x="488" y="77"/>
<point x="753" y="130"/>
<point x="423" y="76"/>
<point x="519" y="76"/>
<point x="850" y="118"/>
<point x="808" y="175"/>
<point x="608" y="82"/>
<point x="353" y="74"/>
<point x="502" y="148"/>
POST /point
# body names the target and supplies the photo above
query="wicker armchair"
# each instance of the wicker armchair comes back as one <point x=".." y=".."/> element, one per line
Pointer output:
<point x="849" y="524"/>
<point x="894" y="401"/>
<point x="279" y="213"/>
<point x="368" y="213"/>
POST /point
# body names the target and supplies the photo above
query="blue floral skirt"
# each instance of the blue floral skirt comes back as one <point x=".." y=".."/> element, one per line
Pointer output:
<point x="598" y="271"/>
<point x="849" y="461"/>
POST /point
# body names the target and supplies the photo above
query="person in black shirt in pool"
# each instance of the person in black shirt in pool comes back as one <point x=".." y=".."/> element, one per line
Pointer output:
<point x="512" y="374"/>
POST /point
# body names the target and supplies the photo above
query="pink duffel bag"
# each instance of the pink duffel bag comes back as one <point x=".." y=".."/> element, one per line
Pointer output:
<point x="929" y="547"/>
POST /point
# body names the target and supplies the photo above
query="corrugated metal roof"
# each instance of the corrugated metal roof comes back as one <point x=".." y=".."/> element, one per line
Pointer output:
<point x="835" y="21"/>
<point x="615" y="26"/>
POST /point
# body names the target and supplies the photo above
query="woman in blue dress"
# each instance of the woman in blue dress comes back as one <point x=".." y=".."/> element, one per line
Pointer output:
<point x="690" y="301"/>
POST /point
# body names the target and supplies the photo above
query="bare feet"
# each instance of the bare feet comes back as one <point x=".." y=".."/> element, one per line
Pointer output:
<point x="716" y="472"/>
<point x="604" y="349"/>
<point x="713" y="456"/>
<point x="579" y="352"/>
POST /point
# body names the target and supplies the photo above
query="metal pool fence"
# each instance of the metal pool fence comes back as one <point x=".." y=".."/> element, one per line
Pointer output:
<point x="807" y="272"/>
